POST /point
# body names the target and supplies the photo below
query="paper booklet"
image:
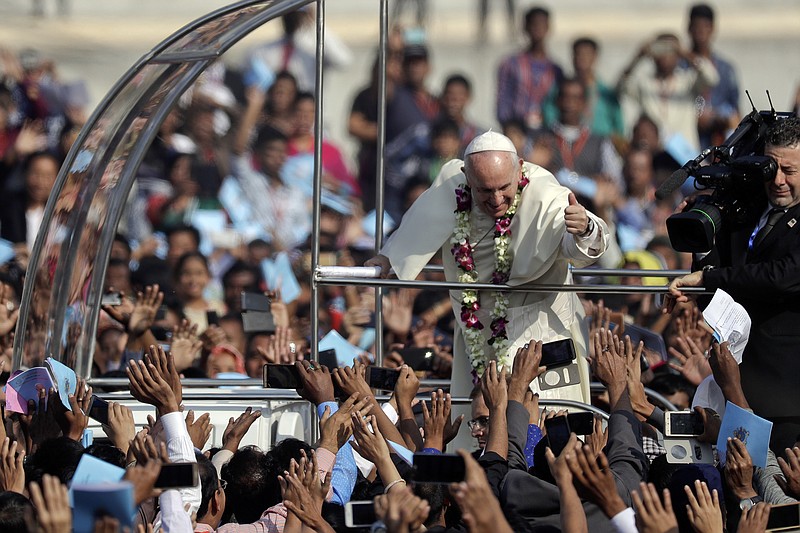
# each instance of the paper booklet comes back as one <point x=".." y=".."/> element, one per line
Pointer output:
<point x="25" y="385"/>
<point x="730" y="322"/>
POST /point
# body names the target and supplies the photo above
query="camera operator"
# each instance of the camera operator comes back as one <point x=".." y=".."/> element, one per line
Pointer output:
<point x="759" y="265"/>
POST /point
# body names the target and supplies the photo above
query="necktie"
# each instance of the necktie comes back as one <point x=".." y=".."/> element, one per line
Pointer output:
<point x="772" y="219"/>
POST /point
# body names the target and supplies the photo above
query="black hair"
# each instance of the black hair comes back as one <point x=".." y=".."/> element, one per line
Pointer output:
<point x="435" y="495"/>
<point x="182" y="260"/>
<point x="303" y="95"/>
<point x="585" y="41"/>
<point x="669" y="384"/>
<point x="784" y="133"/>
<point x="444" y="126"/>
<point x="58" y="457"/>
<point x="108" y="453"/>
<point x="238" y="267"/>
<point x="571" y="81"/>
<point x="536" y="11"/>
<point x="123" y="240"/>
<point x="267" y="134"/>
<point x="701" y="11"/>
<point x="184" y="228"/>
<point x="16" y="513"/>
<point x="458" y="79"/>
<point x="118" y="262"/>
<point x="517" y="123"/>
<point x="26" y="165"/>
<point x="209" y="483"/>
<point x="248" y="475"/>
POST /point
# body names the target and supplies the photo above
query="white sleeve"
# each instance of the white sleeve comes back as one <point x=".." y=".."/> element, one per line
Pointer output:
<point x="220" y="459"/>
<point x="181" y="450"/>
<point x="625" y="521"/>
<point x="173" y="518"/>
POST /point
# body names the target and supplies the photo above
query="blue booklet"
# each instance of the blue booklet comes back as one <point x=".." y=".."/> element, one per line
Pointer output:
<point x="278" y="275"/>
<point x="92" y="501"/>
<point x="25" y="385"/>
<point x="94" y="471"/>
<point x="749" y="428"/>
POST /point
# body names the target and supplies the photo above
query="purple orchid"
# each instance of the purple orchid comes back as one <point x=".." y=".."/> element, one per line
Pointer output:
<point x="498" y="278"/>
<point x="463" y="199"/>
<point x="502" y="226"/>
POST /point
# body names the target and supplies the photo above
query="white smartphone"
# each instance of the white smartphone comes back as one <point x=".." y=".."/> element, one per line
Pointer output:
<point x="359" y="514"/>
<point x="682" y="424"/>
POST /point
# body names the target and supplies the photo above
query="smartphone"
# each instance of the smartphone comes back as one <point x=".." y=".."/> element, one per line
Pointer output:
<point x="682" y="424"/>
<point x="213" y="318"/>
<point x="784" y="517"/>
<point x="111" y="299"/>
<point x="98" y="410"/>
<point x="161" y="333"/>
<point x="177" y="475"/>
<point x="581" y="423"/>
<point x="441" y="468"/>
<point x="359" y="514"/>
<point x="557" y="433"/>
<point x="258" y="322"/>
<point x="382" y="378"/>
<point x="557" y="353"/>
<point x="255" y="301"/>
<point x="418" y="358"/>
<point x="161" y="314"/>
<point x="281" y="376"/>
<point x="328" y="358"/>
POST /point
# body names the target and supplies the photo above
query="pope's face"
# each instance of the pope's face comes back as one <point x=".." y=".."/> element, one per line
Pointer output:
<point x="784" y="190"/>
<point x="493" y="178"/>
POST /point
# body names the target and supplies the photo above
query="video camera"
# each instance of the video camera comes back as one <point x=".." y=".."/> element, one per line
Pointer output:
<point x="736" y="174"/>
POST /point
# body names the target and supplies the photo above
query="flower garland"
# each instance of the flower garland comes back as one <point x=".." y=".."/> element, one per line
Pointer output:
<point x="470" y="303"/>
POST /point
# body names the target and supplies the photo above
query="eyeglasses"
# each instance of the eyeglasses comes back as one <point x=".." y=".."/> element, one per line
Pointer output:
<point x="223" y="484"/>
<point x="482" y="422"/>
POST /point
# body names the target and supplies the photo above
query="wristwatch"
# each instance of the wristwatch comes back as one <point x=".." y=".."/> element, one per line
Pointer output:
<point x="589" y="228"/>
<point x="745" y="504"/>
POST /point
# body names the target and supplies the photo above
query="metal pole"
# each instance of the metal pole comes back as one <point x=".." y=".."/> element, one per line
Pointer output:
<point x="451" y="285"/>
<point x="380" y="171"/>
<point x="318" y="109"/>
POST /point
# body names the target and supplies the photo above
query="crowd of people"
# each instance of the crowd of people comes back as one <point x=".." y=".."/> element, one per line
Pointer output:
<point x="224" y="194"/>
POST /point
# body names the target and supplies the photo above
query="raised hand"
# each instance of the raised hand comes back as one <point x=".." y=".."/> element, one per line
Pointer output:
<point x="237" y="429"/>
<point x="164" y="365"/>
<point x="693" y="363"/>
<point x="754" y="520"/>
<point x="121" y="428"/>
<point x="401" y="510"/>
<point x="316" y="384"/>
<point x="726" y="374"/>
<point x="790" y="482"/>
<point x="199" y="430"/>
<point x="609" y="364"/>
<point x="437" y="420"/>
<point x="703" y="510"/>
<point x="651" y="515"/>
<point x="352" y="380"/>
<point x="144" y="311"/>
<point x="12" y="471"/>
<point x="494" y="388"/>
<point x="336" y="428"/>
<point x="52" y="505"/>
<point x="525" y="369"/>
<point x="8" y="311"/>
<point x="185" y="346"/>
<point x="305" y="492"/>
<point x="143" y="478"/>
<point x="148" y="386"/>
<point x="73" y="421"/>
<point x="479" y="508"/>
<point x="397" y="311"/>
<point x="594" y="480"/>
<point x="145" y="449"/>
<point x="739" y="470"/>
<point x="370" y="444"/>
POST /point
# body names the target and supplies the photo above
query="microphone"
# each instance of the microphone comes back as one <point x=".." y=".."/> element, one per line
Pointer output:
<point x="673" y="183"/>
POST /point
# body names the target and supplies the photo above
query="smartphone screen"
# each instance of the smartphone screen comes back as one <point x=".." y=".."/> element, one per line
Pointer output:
<point x="328" y="358"/>
<point x="177" y="475"/>
<point x="281" y="376"/>
<point x="418" y="358"/>
<point x="212" y="318"/>
<point x="557" y="353"/>
<point x="557" y="433"/>
<point x="254" y="301"/>
<point x="258" y="322"/>
<point x="438" y="468"/>
<point x="581" y="423"/>
<point x="382" y="378"/>
<point x="683" y="424"/>
<point x="161" y="333"/>
<point x="783" y="517"/>
<point x="359" y="514"/>
<point x="98" y="410"/>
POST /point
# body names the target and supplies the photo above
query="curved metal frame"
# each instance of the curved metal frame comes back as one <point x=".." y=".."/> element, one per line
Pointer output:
<point x="61" y="297"/>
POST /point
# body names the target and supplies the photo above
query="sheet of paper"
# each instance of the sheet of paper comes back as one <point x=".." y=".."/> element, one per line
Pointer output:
<point x="749" y="428"/>
<point x="405" y="454"/>
<point x="24" y="385"/>
<point x="730" y="322"/>
<point x="64" y="378"/>
<point x="345" y="352"/>
<point x="114" y="499"/>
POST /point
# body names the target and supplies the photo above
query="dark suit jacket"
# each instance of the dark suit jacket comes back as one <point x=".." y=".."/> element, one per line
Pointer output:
<point x="532" y="504"/>
<point x="766" y="281"/>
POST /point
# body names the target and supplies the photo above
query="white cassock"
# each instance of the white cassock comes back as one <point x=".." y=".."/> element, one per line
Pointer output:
<point x="542" y="251"/>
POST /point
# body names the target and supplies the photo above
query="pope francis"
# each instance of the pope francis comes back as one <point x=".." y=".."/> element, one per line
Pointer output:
<point x="498" y="219"/>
